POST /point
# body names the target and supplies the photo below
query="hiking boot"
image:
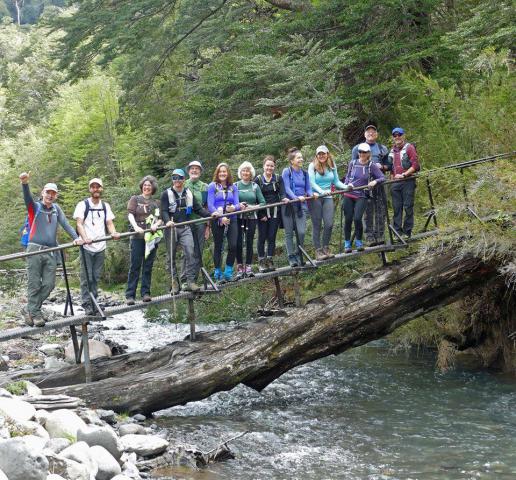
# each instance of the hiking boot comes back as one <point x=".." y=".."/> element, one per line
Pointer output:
<point x="146" y="298"/>
<point x="27" y="317"/>
<point x="192" y="286"/>
<point x="228" y="273"/>
<point x="217" y="274"/>
<point x="347" y="246"/>
<point x="371" y="242"/>
<point x="359" y="245"/>
<point x="249" y="271"/>
<point x="130" y="301"/>
<point x="407" y="236"/>
<point x="240" y="272"/>
<point x="262" y="265"/>
<point x="175" y="287"/>
<point x="327" y="252"/>
<point x="38" y="320"/>
<point x="319" y="255"/>
<point x="270" y="264"/>
<point x="292" y="261"/>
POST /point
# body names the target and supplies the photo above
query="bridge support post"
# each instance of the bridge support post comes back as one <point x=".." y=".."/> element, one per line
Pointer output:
<point x="86" y="349"/>
<point x="279" y="293"/>
<point x="191" y="318"/>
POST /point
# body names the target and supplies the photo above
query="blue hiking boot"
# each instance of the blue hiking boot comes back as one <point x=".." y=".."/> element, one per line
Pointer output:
<point x="347" y="246"/>
<point x="228" y="273"/>
<point x="217" y="274"/>
<point x="359" y="245"/>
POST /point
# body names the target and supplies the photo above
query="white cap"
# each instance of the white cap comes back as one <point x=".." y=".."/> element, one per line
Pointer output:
<point x="322" y="148"/>
<point x="194" y="163"/>
<point x="50" y="186"/>
<point x="95" y="180"/>
<point x="364" y="147"/>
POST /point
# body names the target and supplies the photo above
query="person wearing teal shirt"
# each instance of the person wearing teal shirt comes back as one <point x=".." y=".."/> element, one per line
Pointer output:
<point x="323" y="176"/>
<point x="200" y="231"/>
<point x="250" y="195"/>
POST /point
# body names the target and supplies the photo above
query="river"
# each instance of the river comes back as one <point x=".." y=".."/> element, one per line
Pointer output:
<point x="366" y="414"/>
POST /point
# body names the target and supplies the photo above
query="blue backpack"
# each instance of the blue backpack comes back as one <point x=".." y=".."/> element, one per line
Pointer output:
<point x="25" y="229"/>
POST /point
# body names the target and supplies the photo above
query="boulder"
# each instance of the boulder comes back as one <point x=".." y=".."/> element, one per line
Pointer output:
<point x="34" y="464"/>
<point x="101" y="436"/>
<point x="131" y="429"/>
<point x="57" y="445"/>
<point x="2" y="476"/>
<point x="5" y="394"/>
<point x="4" y="431"/>
<point x="63" y="423"/>
<point x="67" y="468"/>
<point x="80" y="452"/>
<point x="107" y="465"/>
<point x="144" y="445"/>
<point x="54" y="363"/>
<point x="119" y="477"/>
<point x="41" y="417"/>
<point x="32" y="390"/>
<point x="139" y="417"/>
<point x="90" y="416"/>
<point x="16" y="409"/>
<point x="34" y="442"/>
<point x="18" y="428"/>
<point x="52" y="350"/>
<point x="97" y="350"/>
<point x="108" y="416"/>
<point x="53" y="476"/>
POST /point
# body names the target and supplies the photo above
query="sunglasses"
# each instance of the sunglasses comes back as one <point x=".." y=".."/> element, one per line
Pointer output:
<point x="361" y="151"/>
<point x="396" y="134"/>
<point x="176" y="178"/>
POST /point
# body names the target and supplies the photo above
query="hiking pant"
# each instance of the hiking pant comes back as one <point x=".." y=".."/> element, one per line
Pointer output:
<point x="198" y="230"/>
<point x="41" y="277"/>
<point x="267" y="232"/>
<point x="231" y="233"/>
<point x="182" y="238"/>
<point x="246" y="230"/>
<point x="293" y="217"/>
<point x="375" y="215"/>
<point x="139" y="263"/>
<point x="322" y="211"/>
<point x="353" y="211"/>
<point x="93" y="262"/>
<point x="403" y="199"/>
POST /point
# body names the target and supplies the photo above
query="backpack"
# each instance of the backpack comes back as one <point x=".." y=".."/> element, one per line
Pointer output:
<point x="173" y="196"/>
<point x="274" y="181"/>
<point x="88" y="209"/>
<point x="24" y="230"/>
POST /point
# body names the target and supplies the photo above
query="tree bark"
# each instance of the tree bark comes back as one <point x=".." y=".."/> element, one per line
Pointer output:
<point x="257" y="353"/>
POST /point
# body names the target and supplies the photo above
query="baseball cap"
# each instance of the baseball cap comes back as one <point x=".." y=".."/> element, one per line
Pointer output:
<point x="398" y="130"/>
<point x="364" y="147"/>
<point x="370" y="126"/>
<point x="95" y="180"/>
<point x="194" y="163"/>
<point x="322" y="148"/>
<point x="179" y="171"/>
<point x="50" y="186"/>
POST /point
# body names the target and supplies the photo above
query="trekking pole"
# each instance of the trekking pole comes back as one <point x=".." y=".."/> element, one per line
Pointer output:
<point x="294" y="224"/>
<point x="173" y="267"/>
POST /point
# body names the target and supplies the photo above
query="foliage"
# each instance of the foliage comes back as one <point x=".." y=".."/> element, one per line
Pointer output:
<point x="17" y="388"/>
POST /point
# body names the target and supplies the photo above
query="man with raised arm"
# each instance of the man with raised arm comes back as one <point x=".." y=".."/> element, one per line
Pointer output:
<point x="43" y="216"/>
<point x="94" y="219"/>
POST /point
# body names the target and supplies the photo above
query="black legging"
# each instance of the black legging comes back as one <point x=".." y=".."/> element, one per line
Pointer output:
<point x="218" y="238"/>
<point x="353" y="212"/>
<point x="267" y="232"/>
<point x="247" y="227"/>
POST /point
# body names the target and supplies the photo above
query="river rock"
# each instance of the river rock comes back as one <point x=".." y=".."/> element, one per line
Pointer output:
<point x="35" y="443"/>
<point x="108" y="416"/>
<point x="144" y="445"/>
<point x="107" y="465"/>
<point x="52" y="350"/>
<point x="16" y="409"/>
<point x="57" y="445"/>
<point x="53" y="363"/>
<point x="63" y="423"/>
<point x="131" y="429"/>
<point x="33" y="467"/>
<point x="139" y="417"/>
<point x="67" y="468"/>
<point x="130" y="470"/>
<point x="97" y="350"/>
<point x="119" y="477"/>
<point x="53" y="476"/>
<point x="5" y="393"/>
<point x="102" y="436"/>
<point x="42" y="416"/>
<point x="32" y="390"/>
<point x="90" y="416"/>
<point x="18" y="428"/>
<point x="4" y="431"/>
<point x="3" y="476"/>
<point x="80" y="452"/>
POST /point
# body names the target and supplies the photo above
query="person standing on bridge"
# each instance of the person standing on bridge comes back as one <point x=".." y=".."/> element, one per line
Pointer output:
<point x="360" y="174"/>
<point x="143" y="213"/>
<point x="376" y="208"/>
<point x="178" y="203"/>
<point x="403" y="162"/>
<point x="94" y="219"/>
<point x="43" y="218"/>
<point x="223" y="198"/>
<point x="323" y="176"/>
<point x="297" y="187"/>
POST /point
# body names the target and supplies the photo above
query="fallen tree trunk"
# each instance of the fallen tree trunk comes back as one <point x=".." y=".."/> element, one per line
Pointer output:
<point x="257" y="353"/>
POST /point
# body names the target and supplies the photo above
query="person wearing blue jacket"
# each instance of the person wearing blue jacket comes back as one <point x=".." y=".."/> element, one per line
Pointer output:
<point x="323" y="176"/>
<point x="297" y="187"/>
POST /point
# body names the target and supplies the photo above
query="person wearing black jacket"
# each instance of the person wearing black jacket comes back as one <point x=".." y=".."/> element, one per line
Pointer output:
<point x="273" y="191"/>
<point x="177" y="204"/>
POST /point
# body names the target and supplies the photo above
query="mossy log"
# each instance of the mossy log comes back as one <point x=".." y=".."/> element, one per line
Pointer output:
<point x="256" y="353"/>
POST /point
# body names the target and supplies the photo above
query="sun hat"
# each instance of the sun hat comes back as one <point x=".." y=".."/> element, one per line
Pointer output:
<point x="364" y="147"/>
<point x="95" y="180"/>
<point x="50" y="186"/>
<point x="322" y="149"/>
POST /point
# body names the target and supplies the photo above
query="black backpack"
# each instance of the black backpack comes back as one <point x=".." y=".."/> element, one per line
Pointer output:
<point x="88" y="209"/>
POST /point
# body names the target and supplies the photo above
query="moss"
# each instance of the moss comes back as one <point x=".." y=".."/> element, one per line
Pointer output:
<point x="17" y="388"/>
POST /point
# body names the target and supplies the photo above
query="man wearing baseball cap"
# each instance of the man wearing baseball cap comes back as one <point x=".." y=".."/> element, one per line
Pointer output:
<point x="200" y="231"/>
<point x="376" y="209"/>
<point x="404" y="164"/>
<point x="43" y="218"/>
<point x="94" y="219"/>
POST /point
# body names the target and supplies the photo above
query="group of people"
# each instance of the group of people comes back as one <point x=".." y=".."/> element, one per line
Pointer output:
<point x="234" y="211"/>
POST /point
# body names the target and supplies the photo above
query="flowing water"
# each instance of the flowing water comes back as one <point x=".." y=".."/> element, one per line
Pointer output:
<point x="365" y="414"/>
